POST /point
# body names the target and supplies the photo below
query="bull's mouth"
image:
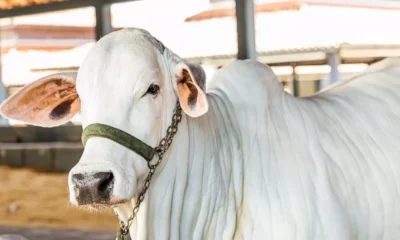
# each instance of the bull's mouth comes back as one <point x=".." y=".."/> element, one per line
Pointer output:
<point x="103" y="206"/>
<point x="98" y="207"/>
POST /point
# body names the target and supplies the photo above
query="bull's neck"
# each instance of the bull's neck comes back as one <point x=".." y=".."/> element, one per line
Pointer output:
<point x="193" y="193"/>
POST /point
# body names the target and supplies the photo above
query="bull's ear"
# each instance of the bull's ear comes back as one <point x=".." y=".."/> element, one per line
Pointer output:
<point x="47" y="102"/>
<point x="191" y="85"/>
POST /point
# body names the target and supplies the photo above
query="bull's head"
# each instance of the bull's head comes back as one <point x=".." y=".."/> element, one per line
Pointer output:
<point x="129" y="81"/>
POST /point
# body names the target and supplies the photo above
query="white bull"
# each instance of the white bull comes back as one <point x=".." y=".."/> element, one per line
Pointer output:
<point x="249" y="161"/>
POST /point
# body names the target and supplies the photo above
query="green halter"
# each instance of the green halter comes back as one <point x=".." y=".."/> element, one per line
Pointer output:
<point x="139" y="147"/>
<point x="119" y="136"/>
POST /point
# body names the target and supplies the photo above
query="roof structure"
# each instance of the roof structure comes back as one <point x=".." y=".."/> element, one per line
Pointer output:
<point x="286" y="5"/>
<point x="310" y="28"/>
<point x="9" y="4"/>
<point x="281" y="27"/>
<point x="259" y="8"/>
<point x="44" y="37"/>
<point x="286" y="33"/>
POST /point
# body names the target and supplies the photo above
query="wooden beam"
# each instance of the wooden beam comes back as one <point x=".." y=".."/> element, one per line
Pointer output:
<point x="55" y="6"/>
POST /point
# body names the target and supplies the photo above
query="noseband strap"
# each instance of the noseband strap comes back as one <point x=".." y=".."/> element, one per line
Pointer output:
<point x="119" y="136"/>
<point x="139" y="147"/>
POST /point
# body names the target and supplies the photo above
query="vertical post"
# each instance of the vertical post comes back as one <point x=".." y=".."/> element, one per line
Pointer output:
<point x="245" y="29"/>
<point x="333" y="60"/>
<point x="3" y="90"/>
<point x="295" y="83"/>
<point x="103" y="19"/>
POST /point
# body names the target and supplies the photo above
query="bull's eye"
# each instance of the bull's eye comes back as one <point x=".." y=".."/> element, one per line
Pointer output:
<point x="153" y="89"/>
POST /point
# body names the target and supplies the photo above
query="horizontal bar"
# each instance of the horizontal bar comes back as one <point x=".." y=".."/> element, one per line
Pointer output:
<point x="54" y="6"/>
<point x="36" y="145"/>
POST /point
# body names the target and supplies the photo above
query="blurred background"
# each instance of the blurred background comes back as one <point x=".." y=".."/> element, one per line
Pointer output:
<point x="309" y="45"/>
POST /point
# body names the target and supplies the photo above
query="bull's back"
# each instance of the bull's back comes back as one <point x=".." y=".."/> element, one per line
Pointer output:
<point x="358" y="126"/>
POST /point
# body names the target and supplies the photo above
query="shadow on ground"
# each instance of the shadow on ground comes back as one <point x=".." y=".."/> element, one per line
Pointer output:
<point x="17" y="233"/>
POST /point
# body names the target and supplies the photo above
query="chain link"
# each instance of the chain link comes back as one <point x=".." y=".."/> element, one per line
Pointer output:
<point x="161" y="149"/>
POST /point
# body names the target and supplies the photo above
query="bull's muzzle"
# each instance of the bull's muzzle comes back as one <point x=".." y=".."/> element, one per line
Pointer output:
<point x="93" y="188"/>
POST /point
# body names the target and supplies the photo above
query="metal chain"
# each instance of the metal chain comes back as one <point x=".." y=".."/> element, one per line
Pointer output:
<point x="161" y="149"/>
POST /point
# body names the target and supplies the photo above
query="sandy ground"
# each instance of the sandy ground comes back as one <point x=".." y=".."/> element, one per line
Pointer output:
<point x="30" y="198"/>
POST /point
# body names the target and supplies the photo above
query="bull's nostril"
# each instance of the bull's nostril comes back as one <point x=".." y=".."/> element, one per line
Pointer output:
<point x="105" y="185"/>
<point x="76" y="178"/>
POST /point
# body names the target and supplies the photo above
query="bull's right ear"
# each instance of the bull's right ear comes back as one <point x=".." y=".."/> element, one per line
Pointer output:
<point x="47" y="102"/>
<point x="191" y="86"/>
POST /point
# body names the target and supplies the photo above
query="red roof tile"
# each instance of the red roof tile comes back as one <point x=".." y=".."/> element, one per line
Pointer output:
<point x="9" y="4"/>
